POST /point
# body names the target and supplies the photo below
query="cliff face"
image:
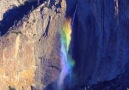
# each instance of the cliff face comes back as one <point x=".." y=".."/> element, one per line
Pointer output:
<point x="100" y="41"/>
<point x="30" y="44"/>
<point x="29" y="51"/>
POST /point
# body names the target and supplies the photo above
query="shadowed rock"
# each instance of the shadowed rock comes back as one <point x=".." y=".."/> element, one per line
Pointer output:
<point x="12" y="16"/>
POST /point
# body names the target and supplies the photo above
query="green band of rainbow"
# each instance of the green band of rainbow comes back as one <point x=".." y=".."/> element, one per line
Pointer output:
<point x="67" y="62"/>
<point x="66" y="39"/>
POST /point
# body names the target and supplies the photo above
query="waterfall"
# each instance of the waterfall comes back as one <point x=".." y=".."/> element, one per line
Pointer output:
<point x="67" y="62"/>
<point x="74" y="15"/>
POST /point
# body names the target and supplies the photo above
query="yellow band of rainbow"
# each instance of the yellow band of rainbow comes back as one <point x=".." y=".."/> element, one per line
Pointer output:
<point x="65" y="41"/>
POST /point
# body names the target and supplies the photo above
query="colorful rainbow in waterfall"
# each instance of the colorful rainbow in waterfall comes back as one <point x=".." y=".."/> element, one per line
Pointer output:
<point x="66" y="61"/>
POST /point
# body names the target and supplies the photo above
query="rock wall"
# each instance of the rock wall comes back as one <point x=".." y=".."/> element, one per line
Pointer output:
<point x="29" y="51"/>
<point x="100" y="41"/>
<point x="30" y="44"/>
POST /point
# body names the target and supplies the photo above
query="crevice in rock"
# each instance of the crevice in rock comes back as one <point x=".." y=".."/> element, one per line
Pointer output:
<point x="47" y="28"/>
<point x="51" y="66"/>
<point x="33" y="88"/>
<point x="11" y="88"/>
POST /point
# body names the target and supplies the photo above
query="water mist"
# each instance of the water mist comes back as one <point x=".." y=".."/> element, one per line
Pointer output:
<point x="67" y="62"/>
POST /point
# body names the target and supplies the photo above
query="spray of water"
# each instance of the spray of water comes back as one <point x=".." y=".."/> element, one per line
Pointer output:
<point x="66" y="61"/>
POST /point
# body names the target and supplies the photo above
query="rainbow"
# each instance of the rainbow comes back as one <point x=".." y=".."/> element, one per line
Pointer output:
<point x="66" y="61"/>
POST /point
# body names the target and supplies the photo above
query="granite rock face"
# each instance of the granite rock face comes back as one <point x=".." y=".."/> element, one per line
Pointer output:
<point x="100" y="43"/>
<point x="30" y="44"/>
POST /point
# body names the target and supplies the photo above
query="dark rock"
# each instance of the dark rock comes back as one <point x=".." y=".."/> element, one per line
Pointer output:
<point x="100" y="41"/>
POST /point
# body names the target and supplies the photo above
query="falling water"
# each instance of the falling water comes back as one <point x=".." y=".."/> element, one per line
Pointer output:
<point x="74" y="15"/>
<point x="67" y="62"/>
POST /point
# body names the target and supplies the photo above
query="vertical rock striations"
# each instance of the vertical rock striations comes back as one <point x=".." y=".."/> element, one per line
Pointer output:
<point x="100" y="41"/>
